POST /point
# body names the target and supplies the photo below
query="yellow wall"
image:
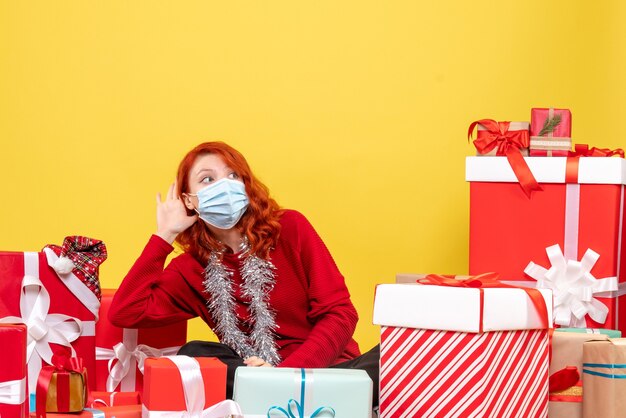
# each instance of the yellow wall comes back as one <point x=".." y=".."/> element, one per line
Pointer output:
<point x="353" y="112"/>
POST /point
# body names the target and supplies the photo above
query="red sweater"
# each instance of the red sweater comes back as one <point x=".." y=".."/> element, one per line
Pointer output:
<point x="314" y="314"/>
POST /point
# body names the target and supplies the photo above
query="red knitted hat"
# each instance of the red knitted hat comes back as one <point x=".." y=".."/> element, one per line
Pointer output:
<point x="81" y="256"/>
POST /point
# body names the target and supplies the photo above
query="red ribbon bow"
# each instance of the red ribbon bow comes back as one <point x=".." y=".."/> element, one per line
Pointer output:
<point x="509" y="143"/>
<point x="563" y="379"/>
<point x="489" y="280"/>
<point x="583" y="150"/>
<point x="63" y="366"/>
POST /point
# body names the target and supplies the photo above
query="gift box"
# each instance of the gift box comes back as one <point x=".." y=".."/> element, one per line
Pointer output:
<point x="604" y="378"/>
<point x="59" y="307"/>
<point x="611" y="333"/>
<point x="496" y="138"/>
<point x="13" y="391"/>
<point x="121" y="352"/>
<point x="508" y="139"/>
<point x="550" y="132"/>
<point x="567" y="237"/>
<point x="62" y="387"/>
<point x="566" y="394"/>
<point x="99" y="399"/>
<point x="124" y="411"/>
<point x="173" y="384"/>
<point x="264" y="391"/>
<point x="463" y="351"/>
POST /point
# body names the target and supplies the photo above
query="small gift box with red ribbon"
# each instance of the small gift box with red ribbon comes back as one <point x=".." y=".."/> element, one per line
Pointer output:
<point x="121" y="352"/>
<point x="567" y="238"/>
<point x="472" y="347"/>
<point x="177" y="386"/>
<point x="508" y="139"/>
<point x="13" y="391"/>
<point x="285" y="392"/>
<point x="604" y="378"/>
<point x="62" y="387"/>
<point x="550" y="132"/>
<point x="55" y="293"/>
<point x="566" y="368"/>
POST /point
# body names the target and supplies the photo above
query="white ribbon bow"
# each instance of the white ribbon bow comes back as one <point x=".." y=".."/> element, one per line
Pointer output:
<point x="193" y="388"/>
<point x="13" y="392"/>
<point x="43" y="328"/>
<point x="573" y="287"/>
<point x="124" y="359"/>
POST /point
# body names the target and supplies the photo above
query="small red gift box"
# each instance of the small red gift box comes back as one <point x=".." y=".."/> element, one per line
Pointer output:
<point x="120" y="352"/>
<point x="99" y="399"/>
<point x="13" y="391"/>
<point x="58" y="308"/>
<point x="550" y="132"/>
<point x="170" y="381"/>
<point x="574" y="228"/>
<point x="462" y="351"/>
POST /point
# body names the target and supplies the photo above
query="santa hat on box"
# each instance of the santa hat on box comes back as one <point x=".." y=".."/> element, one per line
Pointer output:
<point x="82" y="256"/>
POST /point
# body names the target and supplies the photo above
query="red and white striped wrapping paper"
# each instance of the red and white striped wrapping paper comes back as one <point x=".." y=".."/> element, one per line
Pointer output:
<point x="428" y="373"/>
<point x="452" y="352"/>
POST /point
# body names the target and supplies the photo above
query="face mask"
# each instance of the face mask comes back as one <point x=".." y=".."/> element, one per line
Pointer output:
<point x="222" y="203"/>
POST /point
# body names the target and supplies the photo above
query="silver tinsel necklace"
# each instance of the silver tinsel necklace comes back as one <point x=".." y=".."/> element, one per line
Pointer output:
<point x="258" y="281"/>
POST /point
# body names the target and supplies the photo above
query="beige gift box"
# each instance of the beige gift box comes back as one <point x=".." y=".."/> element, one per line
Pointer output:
<point x="567" y="350"/>
<point x="604" y="378"/>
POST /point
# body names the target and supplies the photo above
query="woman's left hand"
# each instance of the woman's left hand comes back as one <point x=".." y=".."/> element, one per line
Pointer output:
<point x="255" y="361"/>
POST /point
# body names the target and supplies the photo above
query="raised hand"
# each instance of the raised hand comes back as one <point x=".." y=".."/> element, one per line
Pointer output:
<point x="172" y="217"/>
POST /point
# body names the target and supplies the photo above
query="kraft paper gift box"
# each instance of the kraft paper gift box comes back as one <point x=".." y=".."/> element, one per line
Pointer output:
<point x="62" y="387"/>
<point x="567" y="352"/>
<point x="121" y="352"/>
<point x="455" y="351"/>
<point x="99" y="399"/>
<point x="186" y="386"/>
<point x="496" y="138"/>
<point x="58" y="308"/>
<point x="266" y="391"/>
<point x="567" y="237"/>
<point x="124" y="411"/>
<point x="13" y="391"/>
<point x="604" y="378"/>
<point x="550" y="132"/>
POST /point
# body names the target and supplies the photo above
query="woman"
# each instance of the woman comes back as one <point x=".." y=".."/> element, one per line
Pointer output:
<point x="258" y="275"/>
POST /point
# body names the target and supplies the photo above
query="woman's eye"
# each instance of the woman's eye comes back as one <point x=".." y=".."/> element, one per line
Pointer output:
<point x="233" y="176"/>
<point x="207" y="179"/>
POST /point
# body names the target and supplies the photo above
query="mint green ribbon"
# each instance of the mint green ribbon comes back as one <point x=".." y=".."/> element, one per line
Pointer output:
<point x="299" y="406"/>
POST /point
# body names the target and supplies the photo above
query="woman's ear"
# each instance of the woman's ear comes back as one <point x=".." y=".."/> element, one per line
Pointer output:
<point x="188" y="202"/>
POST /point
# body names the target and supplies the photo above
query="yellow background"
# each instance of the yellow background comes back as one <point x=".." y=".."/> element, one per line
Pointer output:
<point x="353" y="112"/>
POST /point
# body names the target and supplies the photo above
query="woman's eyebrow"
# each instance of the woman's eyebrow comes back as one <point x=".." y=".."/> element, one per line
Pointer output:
<point x="202" y="170"/>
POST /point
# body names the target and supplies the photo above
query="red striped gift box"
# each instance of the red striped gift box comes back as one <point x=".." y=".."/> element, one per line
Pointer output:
<point x="489" y="357"/>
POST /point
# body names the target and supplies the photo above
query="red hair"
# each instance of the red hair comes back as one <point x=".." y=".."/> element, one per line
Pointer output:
<point x="260" y="223"/>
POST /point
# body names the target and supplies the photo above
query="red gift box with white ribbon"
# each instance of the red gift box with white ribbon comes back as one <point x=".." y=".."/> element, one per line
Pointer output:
<point x="58" y="308"/>
<point x="177" y="386"/>
<point x="567" y="237"/>
<point x="121" y="352"/>
<point x="13" y="391"/>
<point x="462" y="351"/>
